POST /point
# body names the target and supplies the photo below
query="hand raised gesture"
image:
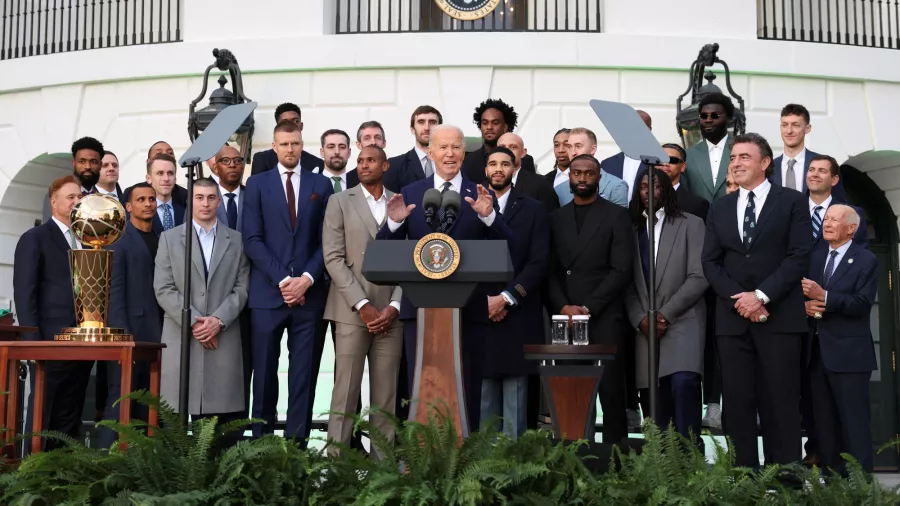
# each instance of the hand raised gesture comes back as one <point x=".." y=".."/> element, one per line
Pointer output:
<point x="397" y="210"/>
<point x="484" y="206"/>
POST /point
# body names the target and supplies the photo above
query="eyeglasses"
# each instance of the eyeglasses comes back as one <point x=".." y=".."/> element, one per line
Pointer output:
<point x="674" y="160"/>
<point x="707" y="115"/>
<point x="228" y="161"/>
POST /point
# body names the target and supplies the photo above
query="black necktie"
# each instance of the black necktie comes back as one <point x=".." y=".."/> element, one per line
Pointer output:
<point x="829" y="268"/>
<point x="440" y="212"/>
<point x="231" y="211"/>
<point x="749" y="221"/>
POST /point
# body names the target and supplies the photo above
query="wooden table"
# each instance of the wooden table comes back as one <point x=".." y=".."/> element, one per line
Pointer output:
<point x="14" y="332"/>
<point x="124" y="352"/>
<point x="570" y="375"/>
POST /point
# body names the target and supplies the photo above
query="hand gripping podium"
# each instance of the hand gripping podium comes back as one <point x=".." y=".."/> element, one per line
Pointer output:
<point x="421" y="269"/>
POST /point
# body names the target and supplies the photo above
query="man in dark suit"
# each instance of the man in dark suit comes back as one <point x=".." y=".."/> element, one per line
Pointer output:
<point x="841" y="291"/>
<point x="755" y="253"/>
<point x="477" y="220"/>
<point x="161" y="176"/>
<point x="42" y="290"/>
<point x="335" y="152"/>
<point x="494" y="118"/>
<point x="623" y="167"/>
<point x="268" y="159"/>
<point x="414" y="164"/>
<point x="674" y="168"/>
<point x="87" y="153"/>
<point x="516" y="308"/>
<point x="178" y="193"/>
<point x="132" y="300"/>
<point x="823" y="177"/>
<point x="108" y="184"/>
<point x="790" y="168"/>
<point x="282" y="222"/>
<point x="529" y="183"/>
<point x="591" y="253"/>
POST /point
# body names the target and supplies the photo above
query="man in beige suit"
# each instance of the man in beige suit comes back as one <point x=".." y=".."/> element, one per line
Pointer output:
<point x="365" y="315"/>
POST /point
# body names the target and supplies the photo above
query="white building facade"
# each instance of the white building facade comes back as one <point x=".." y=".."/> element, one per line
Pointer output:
<point x="348" y="61"/>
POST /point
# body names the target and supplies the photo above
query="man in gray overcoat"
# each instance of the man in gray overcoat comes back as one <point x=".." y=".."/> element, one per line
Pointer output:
<point x="681" y="317"/>
<point x="219" y="279"/>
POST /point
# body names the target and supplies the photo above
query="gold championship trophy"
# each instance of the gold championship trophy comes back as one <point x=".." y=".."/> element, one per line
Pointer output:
<point x="97" y="221"/>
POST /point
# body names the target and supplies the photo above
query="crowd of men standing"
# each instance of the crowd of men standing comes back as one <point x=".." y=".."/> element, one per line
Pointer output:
<point x="763" y="280"/>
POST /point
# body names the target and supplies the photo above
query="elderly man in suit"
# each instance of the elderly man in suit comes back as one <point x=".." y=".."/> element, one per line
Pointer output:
<point x="132" y="298"/>
<point x="219" y="280"/>
<point x="365" y="315"/>
<point x="707" y="162"/>
<point x="755" y="252"/>
<point x="516" y="308"/>
<point x="477" y="219"/>
<point x="841" y="290"/>
<point x="680" y="287"/>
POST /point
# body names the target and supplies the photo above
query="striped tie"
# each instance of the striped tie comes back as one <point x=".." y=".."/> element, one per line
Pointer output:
<point x="816" y="222"/>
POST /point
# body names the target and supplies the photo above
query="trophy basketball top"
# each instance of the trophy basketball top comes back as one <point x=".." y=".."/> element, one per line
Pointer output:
<point x="98" y="220"/>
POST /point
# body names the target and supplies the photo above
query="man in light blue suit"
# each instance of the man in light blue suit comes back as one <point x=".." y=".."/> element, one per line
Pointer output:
<point x="284" y="210"/>
<point x="583" y="141"/>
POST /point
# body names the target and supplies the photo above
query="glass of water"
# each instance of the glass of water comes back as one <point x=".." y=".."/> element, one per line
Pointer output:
<point x="580" y="329"/>
<point x="559" y="331"/>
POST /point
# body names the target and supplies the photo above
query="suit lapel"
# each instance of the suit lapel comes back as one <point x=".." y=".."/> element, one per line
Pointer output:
<point x="132" y="234"/>
<point x="467" y="189"/>
<point x="844" y="266"/>
<point x="415" y="164"/>
<point x="223" y="241"/>
<point x="772" y="201"/>
<point x="569" y="235"/>
<point x="58" y="237"/>
<point x="776" y="171"/>
<point x="276" y="193"/>
<point x="722" y="174"/>
<point x="358" y="201"/>
<point x="512" y="204"/>
<point x="306" y="188"/>
<point x="591" y="224"/>
<point x="641" y="287"/>
<point x="702" y="152"/>
<point x="670" y="230"/>
<point x="196" y="250"/>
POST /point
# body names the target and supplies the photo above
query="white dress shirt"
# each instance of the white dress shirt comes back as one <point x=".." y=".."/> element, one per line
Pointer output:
<point x="515" y="177"/>
<point x="676" y="185"/>
<point x="295" y="180"/>
<point x="207" y="240"/>
<point x="561" y="177"/>
<point x="101" y="191"/>
<point x="236" y="192"/>
<point x="502" y="200"/>
<point x="456" y="186"/>
<point x="799" y="169"/>
<point x="379" y="209"/>
<point x="841" y="251"/>
<point x="812" y="207"/>
<point x="67" y="233"/>
<point x="630" y="168"/>
<point x="657" y="230"/>
<point x="759" y="199"/>
<point x="716" y="152"/>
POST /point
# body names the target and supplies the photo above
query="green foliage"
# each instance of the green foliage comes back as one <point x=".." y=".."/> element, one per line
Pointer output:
<point x="426" y="465"/>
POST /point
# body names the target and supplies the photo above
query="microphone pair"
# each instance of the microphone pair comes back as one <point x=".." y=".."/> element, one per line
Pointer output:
<point x="449" y="202"/>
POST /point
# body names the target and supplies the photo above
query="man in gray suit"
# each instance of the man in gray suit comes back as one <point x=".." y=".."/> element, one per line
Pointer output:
<point x="365" y="315"/>
<point x="680" y="285"/>
<point x="219" y="280"/>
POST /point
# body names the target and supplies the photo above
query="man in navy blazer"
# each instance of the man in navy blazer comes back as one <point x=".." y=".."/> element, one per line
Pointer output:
<point x="161" y="176"/>
<point x="623" y="167"/>
<point x="42" y="290"/>
<point x="414" y="165"/>
<point x="477" y="220"/>
<point x="841" y="290"/>
<point x="268" y="159"/>
<point x="516" y="308"/>
<point x="132" y="300"/>
<point x="823" y="176"/>
<point x="796" y="157"/>
<point x="284" y="210"/>
<point x="230" y="166"/>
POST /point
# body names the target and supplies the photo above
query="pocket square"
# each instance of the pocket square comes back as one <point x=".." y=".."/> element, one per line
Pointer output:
<point x="314" y="196"/>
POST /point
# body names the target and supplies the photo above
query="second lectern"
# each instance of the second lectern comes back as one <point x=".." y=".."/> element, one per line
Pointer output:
<point x="438" y="275"/>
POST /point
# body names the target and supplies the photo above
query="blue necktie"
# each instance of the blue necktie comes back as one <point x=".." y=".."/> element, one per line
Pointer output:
<point x="440" y="212"/>
<point x="231" y="211"/>
<point x="168" y="220"/>
<point x="816" y="222"/>
<point x="829" y="269"/>
<point x="749" y="221"/>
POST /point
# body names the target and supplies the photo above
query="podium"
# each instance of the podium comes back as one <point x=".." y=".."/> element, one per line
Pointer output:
<point x="438" y="377"/>
<point x="571" y="376"/>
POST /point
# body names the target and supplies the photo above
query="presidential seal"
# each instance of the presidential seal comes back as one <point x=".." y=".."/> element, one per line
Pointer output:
<point x="436" y="256"/>
<point x="467" y="10"/>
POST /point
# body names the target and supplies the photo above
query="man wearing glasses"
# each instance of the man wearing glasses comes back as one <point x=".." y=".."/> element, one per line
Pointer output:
<point x="707" y="162"/>
<point x="687" y="201"/>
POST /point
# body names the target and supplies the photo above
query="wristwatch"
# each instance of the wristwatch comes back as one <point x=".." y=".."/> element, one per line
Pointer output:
<point x="586" y="310"/>
<point x="221" y="323"/>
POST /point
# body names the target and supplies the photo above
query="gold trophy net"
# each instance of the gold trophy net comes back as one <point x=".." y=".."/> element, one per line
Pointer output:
<point x="99" y="221"/>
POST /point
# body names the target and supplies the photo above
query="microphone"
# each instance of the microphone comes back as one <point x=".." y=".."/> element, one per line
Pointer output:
<point x="450" y="204"/>
<point x="430" y="203"/>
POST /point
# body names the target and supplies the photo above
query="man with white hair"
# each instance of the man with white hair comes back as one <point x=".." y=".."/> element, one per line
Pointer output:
<point x="477" y="220"/>
<point x="840" y="289"/>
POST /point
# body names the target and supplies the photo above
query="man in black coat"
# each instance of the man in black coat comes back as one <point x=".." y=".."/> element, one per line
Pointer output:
<point x="591" y="255"/>
<point x="266" y="160"/>
<point x="179" y="193"/>
<point x="415" y="164"/>
<point x="494" y="118"/>
<point x="527" y="182"/>
<point x="516" y="308"/>
<point x="755" y="253"/>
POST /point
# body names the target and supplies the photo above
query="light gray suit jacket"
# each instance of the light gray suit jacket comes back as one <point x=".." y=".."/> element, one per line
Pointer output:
<point x="680" y="285"/>
<point x="349" y="227"/>
<point x="216" y="376"/>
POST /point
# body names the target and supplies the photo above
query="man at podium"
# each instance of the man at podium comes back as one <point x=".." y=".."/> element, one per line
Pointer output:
<point x="477" y="220"/>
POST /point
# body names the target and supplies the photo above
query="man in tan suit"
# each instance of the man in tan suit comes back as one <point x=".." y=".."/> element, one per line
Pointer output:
<point x="365" y="315"/>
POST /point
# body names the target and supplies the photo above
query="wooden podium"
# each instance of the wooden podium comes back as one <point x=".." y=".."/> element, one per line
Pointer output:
<point x="439" y="369"/>
<point x="570" y="376"/>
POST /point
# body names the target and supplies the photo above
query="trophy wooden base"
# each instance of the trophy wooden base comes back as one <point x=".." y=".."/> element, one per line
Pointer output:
<point x="93" y="334"/>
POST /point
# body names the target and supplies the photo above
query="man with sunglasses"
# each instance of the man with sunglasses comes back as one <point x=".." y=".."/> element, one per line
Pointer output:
<point x="675" y="167"/>
<point x="707" y="162"/>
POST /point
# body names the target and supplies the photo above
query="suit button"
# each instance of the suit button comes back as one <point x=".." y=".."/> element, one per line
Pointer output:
<point x="202" y="294"/>
<point x="568" y="273"/>
<point x="747" y="255"/>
